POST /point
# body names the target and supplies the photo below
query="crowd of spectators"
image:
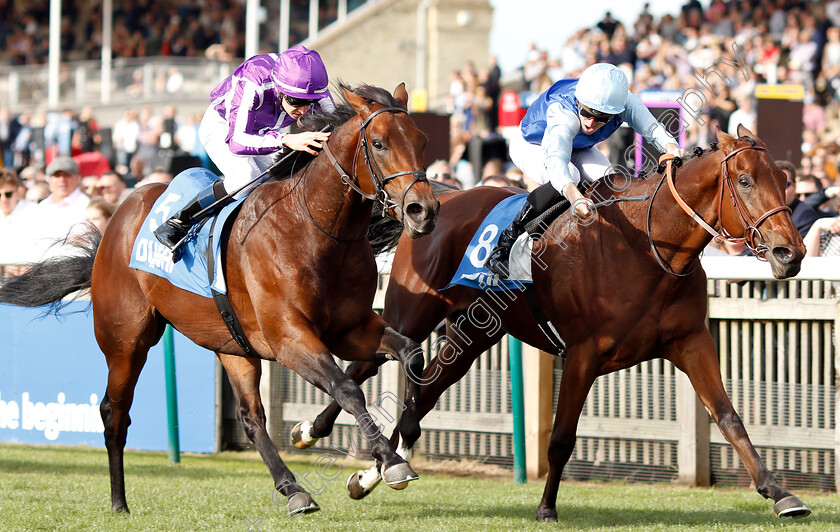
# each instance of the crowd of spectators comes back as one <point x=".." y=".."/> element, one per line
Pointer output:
<point x="141" y="28"/>
<point x="759" y="41"/>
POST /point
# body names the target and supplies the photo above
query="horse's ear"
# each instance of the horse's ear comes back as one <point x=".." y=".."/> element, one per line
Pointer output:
<point x="744" y="132"/>
<point x="724" y="140"/>
<point x="401" y="95"/>
<point x="357" y="102"/>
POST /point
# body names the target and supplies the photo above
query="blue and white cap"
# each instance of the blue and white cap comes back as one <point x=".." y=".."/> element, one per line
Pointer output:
<point x="603" y="87"/>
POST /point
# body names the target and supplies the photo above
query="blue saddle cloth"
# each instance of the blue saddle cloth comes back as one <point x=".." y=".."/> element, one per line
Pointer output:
<point x="471" y="272"/>
<point x="190" y="273"/>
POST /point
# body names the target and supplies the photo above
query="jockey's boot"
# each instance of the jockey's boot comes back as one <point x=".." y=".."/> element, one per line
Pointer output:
<point x="172" y="231"/>
<point x="497" y="261"/>
<point x="539" y="202"/>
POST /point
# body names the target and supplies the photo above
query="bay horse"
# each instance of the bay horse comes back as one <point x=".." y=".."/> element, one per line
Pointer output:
<point x="301" y="277"/>
<point x="621" y="290"/>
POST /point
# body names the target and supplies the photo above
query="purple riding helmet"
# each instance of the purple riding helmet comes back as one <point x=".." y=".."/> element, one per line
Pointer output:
<point x="300" y="73"/>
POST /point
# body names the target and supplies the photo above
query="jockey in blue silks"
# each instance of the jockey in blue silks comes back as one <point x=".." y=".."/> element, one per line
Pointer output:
<point x="553" y="145"/>
<point x="248" y="121"/>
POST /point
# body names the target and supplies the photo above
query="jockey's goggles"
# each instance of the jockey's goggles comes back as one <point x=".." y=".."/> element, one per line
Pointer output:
<point x="598" y="116"/>
<point x="299" y="102"/>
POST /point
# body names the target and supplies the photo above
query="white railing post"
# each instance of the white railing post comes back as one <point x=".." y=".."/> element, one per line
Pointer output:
<point x="693" y="449"/>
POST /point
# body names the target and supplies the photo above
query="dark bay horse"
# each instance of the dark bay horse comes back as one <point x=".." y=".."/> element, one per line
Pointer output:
<point x="604" y="286"/>
<point x="301" y="277"/>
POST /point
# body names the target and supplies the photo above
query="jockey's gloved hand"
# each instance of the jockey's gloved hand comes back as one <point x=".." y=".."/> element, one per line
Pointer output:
<point x="582" y="206"/>
<point x="676" y="151"/>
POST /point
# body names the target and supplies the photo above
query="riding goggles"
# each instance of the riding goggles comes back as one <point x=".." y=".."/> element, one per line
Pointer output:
<point x="299" y="102"/>
<point x="598" y="116"/>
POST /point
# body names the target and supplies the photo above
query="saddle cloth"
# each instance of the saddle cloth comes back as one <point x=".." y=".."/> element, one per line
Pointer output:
<point x="471" y="271"/>
<point x="190" y="273"/>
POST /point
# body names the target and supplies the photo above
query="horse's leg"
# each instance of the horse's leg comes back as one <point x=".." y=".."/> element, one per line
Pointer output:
<point x="311" y="359"/>
<point x="125" y="330"/>
<point x="244" y="374"/>
<point x="123" y="372"/>
<point x="578" y="376"/>
<point x="696" y="356"/>
<point x="463" y="343"/>
<point x="305" y="434"/>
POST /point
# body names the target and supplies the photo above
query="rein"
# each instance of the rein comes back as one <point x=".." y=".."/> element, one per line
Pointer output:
<point x="379" y="180"/>
<point x="753" y="238"/>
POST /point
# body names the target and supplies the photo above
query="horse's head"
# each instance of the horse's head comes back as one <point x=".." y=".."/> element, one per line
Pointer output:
<point x="391" y="167"/>
<point x="753" y="203"/>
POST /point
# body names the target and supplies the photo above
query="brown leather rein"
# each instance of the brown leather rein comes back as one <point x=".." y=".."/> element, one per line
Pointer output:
<point x="753" y="238"/>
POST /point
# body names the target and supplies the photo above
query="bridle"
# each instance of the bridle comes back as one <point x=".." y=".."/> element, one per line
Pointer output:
<point x="379" y="180"/>
<point x="753" y="238"/>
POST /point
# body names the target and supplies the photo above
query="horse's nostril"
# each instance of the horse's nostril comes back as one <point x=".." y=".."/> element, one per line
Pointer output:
<point x="415" y="210"/>
<point x="783" y="254"/>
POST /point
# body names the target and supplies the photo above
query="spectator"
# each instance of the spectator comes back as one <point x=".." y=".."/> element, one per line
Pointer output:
<point x="126" y="137"/>
<point x="497" y="181"/>
<point x="493" y="167"/>
<point x="803" y="215"/>
<point x="744" y="114"/>
<point x="63" y="212"/>
<point x="112" y="188"/>
<point x="15" y="215"/>
<point x="137" y="170"/>
<point x="809" y="191"/>
<point x="823" y="239"/>
<point x="159" y="175"/>
<point x="86" y="137"/>
<point x="441" y="171"/>
<point x="6" y="138"/>
<point x="89" y="185"/>
<point x="99" y="212"/>
<point x="38" y="192"/>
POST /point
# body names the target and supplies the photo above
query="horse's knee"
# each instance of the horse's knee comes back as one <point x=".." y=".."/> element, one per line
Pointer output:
<point x="560" y="447"/>
<point x="415" y="361"/>
<point x="115" y="430"/>
<point x="253" y="420"/>
<point x="730" y="424"/>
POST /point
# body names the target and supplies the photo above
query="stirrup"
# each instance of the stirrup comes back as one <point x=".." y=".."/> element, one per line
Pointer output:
<point x="171" y="232"/>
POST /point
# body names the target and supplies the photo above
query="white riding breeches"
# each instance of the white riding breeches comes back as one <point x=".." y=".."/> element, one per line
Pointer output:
<point x="588" y="163"/>
<point x="237" y="170"/>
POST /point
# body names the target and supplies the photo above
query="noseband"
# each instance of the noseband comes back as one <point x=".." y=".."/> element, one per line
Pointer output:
<point x="379" y="180"/>
<point x="753" y="238"/>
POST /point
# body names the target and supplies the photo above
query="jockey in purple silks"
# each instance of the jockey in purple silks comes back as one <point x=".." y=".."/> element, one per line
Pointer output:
<point x="248" y="120"/>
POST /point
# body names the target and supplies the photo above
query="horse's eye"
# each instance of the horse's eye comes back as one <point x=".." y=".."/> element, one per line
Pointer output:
<point x="745" y="181"/>
<point x="378" y="144"/>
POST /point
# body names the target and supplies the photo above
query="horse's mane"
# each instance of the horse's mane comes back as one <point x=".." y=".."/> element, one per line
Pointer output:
<point x="330" y="121"/>
<point x="343" y="112"/>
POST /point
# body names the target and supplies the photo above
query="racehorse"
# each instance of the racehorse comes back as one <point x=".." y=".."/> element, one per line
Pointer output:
<point x="301" y="277"/>
<point x="621" y="290"/>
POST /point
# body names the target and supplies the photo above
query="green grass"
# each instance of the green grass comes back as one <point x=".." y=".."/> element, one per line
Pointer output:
<point x="67" y="488"/>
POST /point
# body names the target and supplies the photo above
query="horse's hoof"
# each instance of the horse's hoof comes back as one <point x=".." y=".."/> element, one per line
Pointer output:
<point x="354" y="486"/>
<point x="302" y="503"/>
<point x="791" y="506"/>
<point x="122" y="509"/>
<point x="301" y="435"/>
<point x="547" y="515"/>
<point x="398" y="476"/>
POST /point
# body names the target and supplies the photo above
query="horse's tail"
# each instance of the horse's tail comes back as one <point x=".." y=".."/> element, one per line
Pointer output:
<point x="384" y="232"/>
<point x="48" y="282"/>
